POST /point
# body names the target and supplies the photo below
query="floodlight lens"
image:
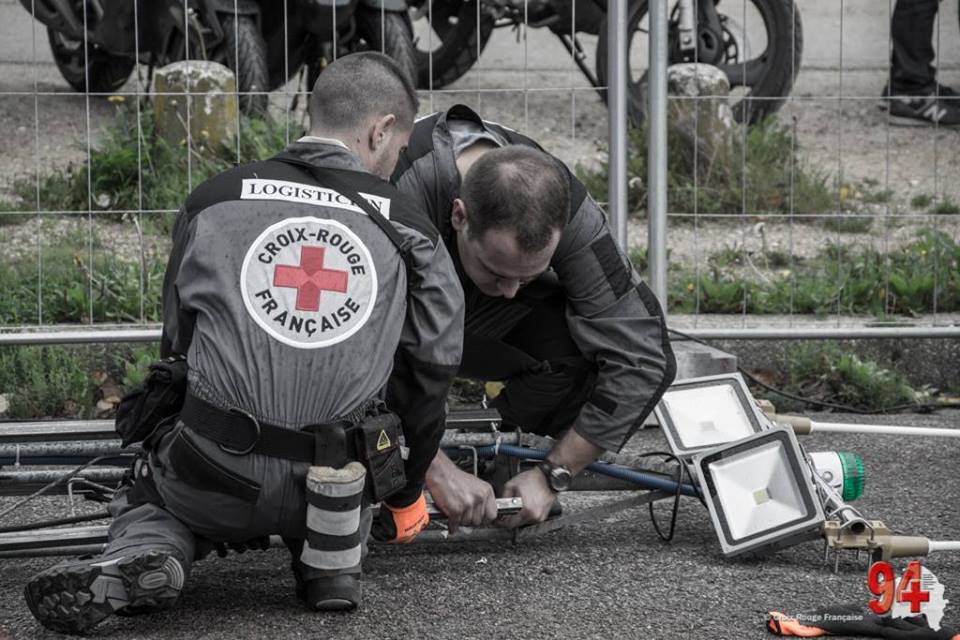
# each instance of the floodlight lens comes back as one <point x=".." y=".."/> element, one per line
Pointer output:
<point x="757" y="490"/>
<point x="708" y="415"/>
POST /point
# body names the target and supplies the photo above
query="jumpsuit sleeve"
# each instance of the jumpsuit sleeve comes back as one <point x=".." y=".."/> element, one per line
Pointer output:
<point x="177" y="322"/>
<point x="617" y="323"/>
<point x="427" y="358"/>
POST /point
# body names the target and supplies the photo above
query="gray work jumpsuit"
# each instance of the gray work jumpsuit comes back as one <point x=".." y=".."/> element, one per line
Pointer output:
<point x="294" y="307"/>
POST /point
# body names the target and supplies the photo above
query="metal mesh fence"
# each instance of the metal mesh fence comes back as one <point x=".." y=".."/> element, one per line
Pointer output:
<point x="822" y="212"/>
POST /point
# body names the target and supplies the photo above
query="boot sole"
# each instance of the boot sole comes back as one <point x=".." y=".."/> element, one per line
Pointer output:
<point x="75" y="598"/>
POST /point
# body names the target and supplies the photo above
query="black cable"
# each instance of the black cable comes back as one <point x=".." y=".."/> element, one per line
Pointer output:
<point x="675" y="510"/>
<point x="811" y="401"/>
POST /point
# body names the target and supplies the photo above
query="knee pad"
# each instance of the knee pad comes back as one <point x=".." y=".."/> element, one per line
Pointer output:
<point x="334" y="499"/>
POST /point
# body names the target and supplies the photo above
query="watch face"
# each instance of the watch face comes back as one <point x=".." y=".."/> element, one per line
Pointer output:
<point x="560" y="479"/>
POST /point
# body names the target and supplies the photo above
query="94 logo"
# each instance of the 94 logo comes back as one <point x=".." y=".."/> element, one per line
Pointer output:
<point x="916" y="592"/>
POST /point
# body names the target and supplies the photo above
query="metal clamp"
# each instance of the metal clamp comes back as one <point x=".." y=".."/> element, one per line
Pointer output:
<point x="256" y="439"/>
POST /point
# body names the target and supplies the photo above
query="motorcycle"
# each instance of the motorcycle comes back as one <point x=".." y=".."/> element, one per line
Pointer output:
<point x="307" y="34"/>
<point x="698" y="31"/>
<point x="96" y="46"/>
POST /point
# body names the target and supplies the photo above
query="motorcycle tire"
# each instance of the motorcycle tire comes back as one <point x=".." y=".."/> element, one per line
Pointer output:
<point x="461" y="42"/>
<point x="244" y="51"/>
<point x="773" y="82"/>
<point x="107" y="72"/>
<point x="389" y="33"/>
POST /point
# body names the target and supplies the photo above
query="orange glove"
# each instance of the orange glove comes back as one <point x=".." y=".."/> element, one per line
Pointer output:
<point x="400" y="525"/>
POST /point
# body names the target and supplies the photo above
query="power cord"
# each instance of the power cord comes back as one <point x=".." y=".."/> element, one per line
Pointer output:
<point x="681" y="472"/>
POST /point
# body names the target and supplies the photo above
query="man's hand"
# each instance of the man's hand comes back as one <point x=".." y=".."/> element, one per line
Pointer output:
<point x="532" y="487"/>
<point x="467" y="500"/>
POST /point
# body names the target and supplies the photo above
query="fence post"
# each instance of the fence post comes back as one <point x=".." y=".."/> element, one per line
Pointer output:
<point x="617" y="103"/>
<point x="657" y="152"/>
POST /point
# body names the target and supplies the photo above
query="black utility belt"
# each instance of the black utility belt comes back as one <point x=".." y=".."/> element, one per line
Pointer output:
<point x="373" y="440"/>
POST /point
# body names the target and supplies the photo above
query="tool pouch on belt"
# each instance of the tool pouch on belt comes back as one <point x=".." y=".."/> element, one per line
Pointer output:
<point x="161" y="396"/>
<point x="378" y="447"/>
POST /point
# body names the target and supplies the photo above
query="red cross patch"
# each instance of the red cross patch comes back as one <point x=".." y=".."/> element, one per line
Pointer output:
<point x="309" y="282"/>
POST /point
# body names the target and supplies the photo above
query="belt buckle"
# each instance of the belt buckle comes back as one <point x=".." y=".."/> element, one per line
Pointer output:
<point x="256" y="439"/>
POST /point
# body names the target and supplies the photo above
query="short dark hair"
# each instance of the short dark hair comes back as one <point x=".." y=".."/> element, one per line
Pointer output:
<point x="356" y="87"/>
<point x="520" y="189"/>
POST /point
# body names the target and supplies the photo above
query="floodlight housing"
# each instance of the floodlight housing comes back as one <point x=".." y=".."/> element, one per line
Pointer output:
<point x="698" y="414"/>
<point x="760" y="492"/>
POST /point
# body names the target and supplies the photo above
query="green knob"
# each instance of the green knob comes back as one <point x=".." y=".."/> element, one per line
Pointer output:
<point x="853" y="475"/>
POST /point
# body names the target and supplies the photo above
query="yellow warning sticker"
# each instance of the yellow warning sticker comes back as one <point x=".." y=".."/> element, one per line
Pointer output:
<point x="383" y="442"/>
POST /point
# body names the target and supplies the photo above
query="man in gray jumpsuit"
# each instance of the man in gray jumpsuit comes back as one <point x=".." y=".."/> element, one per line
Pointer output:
<point x="292" y="305"/>
<point x="553" y="306"/>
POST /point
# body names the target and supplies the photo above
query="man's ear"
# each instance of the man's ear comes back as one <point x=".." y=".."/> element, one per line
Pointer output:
<point x="381" y="131"/>
<point x="458" y="215"/>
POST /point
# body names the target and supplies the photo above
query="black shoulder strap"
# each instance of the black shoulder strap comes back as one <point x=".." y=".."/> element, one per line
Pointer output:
<point x="330" y="179"/>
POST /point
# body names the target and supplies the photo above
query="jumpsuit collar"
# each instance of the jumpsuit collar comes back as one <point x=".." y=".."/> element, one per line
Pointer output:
<point x="326" y="152"/>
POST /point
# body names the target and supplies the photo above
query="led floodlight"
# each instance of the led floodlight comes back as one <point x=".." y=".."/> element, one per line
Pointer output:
<point x="700" y="413"/>
<point x="759" y="492"/>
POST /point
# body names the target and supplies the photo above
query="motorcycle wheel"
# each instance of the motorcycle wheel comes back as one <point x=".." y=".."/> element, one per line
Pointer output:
<point x="245" y="53"/>
<point x="389" y="33"/>
<point x="107" y="72"/>
<point x="456" y="39"/>
<point x="769" y="75"/>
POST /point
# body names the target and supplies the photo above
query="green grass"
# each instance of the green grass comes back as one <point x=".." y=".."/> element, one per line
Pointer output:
<point x="69" y="287"/>
<point x="848" y="223"/>
<point x="63" y="382"/>
<point x="921" y="201"/>
<point x="839" y="279"/>
<point x="46" y="382"/>
<point x="825" y="371"/>
<point x="947" y="207"/>
<point x="157" y="177"/>
<point x="877" y="197"/>
<point x="756" y="174"/>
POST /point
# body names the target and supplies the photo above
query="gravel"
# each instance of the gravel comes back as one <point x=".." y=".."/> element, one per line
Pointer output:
<point x="601" y="579"/>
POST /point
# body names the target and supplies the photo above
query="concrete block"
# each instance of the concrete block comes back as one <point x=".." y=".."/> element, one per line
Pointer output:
<point x="695" y="360"/>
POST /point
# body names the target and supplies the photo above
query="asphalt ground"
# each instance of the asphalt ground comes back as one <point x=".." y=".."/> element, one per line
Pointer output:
<point x="602" y="579"/>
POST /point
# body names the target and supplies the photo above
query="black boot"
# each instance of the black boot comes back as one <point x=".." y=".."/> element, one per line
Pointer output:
<point x="74" y="596"/>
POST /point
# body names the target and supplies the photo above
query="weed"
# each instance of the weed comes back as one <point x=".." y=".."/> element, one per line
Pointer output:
<point x="46" y="382"/>
<point x="846" y="223"/>
<point x="839" y="279"/>
<point x="921" y="201"/>
<point x="156" y="178"/>
<point x="136" y="366"/>
<point x="754" y="174"/>
<point x="68" y="287"/>
<point x="639" y="258"/>
<point x="947" y="207"/>
<point x="778" y="259"/>
<point x="877" y="197"/>
<point x="828" y="373"/>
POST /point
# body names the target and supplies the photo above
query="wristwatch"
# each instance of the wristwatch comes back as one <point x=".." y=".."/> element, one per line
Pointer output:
<point x="558" y="476"/>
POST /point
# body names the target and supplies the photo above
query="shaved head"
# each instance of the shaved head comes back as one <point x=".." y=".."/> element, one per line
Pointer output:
<point x="360" y="86"/>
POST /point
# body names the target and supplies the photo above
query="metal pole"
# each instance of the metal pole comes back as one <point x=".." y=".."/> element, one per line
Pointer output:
<point x="883" y="430"/>
<point x="80" y="336"/>
<point x="814" y="333"/>
<point x="657" y="152"/>
<point x="617" y="103"/>
<point x="96" y="336"/>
